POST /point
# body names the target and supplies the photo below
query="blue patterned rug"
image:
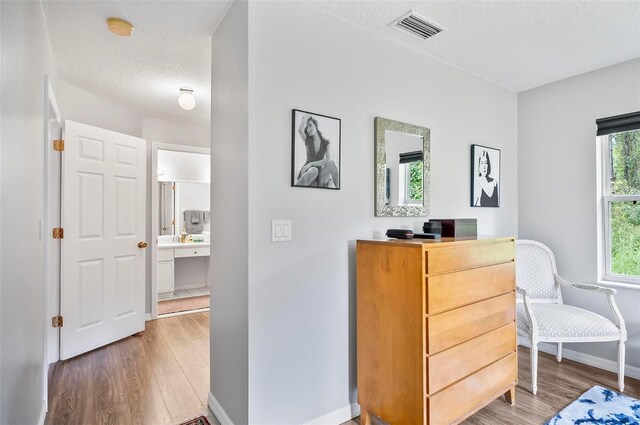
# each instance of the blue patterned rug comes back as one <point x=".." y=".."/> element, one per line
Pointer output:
<point x="599" y="406"/>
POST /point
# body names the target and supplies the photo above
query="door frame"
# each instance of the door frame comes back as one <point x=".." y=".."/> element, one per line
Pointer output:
<point x="155" y="210"/>
<point x="52" y="119"/>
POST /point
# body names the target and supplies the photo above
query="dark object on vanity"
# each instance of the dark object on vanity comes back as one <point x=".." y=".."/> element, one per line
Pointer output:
<point x="458" y="227"/>
<point x="427" y="235"/>
<point x="432" y="227"/>
<point x="400" y="233"/>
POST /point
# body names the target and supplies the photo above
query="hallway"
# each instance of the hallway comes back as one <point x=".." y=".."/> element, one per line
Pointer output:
<point x="159" y="377"/>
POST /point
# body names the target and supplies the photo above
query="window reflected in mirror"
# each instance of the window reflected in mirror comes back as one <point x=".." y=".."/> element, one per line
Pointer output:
<point x="167" y="206"/>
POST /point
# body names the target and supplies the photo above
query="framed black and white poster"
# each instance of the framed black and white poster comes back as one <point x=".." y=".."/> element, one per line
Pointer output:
<point x="485" y="176"/>
<point x="315" y="150"/>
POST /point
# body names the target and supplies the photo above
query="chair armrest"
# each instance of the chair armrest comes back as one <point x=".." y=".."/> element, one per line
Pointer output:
<point x="609" y="292"/>
<point x="533" y="324"/>
<point x="585" y="286"/>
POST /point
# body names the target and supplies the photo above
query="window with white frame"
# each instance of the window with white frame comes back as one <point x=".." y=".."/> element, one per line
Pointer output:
<point x="620" y="201"/>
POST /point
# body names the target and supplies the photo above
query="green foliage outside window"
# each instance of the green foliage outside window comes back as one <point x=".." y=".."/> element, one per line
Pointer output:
<point x="415" y="181"/>
<point x="625" y="216"/>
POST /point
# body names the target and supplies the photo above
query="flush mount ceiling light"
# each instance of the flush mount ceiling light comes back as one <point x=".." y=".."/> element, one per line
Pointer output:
<point x="120" y="27"/>
<point x="186" y="99"/>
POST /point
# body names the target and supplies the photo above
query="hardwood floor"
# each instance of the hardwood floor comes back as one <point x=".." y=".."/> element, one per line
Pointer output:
<point x="160" y="377"/>
<point x="558" y="385"/>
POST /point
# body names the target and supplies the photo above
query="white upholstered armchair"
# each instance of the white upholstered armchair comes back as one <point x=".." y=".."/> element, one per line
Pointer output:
<point x="542" y="317"/>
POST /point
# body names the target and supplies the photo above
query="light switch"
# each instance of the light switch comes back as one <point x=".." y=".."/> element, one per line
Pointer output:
<point x="280" y="230"/>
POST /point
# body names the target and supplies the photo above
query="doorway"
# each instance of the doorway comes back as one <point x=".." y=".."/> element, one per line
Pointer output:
<point x="171" y="355"/>
<point x="180" y="254"/>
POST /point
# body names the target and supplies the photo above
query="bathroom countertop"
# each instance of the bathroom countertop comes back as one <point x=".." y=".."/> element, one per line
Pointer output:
<point x="177" y="245"/>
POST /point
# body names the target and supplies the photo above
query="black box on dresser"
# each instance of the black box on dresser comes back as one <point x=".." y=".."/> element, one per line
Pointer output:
<point x="458" y="227"/>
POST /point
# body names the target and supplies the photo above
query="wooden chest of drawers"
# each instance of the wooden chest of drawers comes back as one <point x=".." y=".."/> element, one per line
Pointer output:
<point x="436" y="328"/>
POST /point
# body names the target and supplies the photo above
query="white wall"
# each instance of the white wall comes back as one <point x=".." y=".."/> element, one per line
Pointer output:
<point x="557" y="182"/>
<point x="1" y="119"/>
<point x="229" y="272"/>
<point x="26" y="58"/>
<point x="88" y="108"/>
<point x="302" y="293"/>
<point x="176" y="132"/>
<point x="183" y="166"/>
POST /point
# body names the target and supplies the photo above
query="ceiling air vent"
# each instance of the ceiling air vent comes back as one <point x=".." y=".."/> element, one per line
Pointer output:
<point x="418" y="25"/>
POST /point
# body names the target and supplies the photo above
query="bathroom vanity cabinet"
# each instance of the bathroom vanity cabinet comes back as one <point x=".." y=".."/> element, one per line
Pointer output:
<point x="168" y="254"/>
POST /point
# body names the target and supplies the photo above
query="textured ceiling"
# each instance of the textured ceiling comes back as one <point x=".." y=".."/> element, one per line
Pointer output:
<point x="515" y="44"/>
<point x="170" y="48"/>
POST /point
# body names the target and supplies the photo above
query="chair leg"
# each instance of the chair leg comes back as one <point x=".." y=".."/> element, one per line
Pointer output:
<point x="621" y="361"/>
<point x="559" y="353"/>
<point x="534" y="367"/>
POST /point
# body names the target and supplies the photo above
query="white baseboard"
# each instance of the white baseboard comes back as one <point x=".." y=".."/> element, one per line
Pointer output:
<point x="218" y="411"/>
<point x="147" y="317"/>
<point x="337" y="416"/>
<point x="334" y="418"/>
<point x="588" y="359"/>
<point x="43" y="413"/>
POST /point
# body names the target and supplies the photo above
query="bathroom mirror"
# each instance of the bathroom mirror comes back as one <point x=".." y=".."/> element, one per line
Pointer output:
<point x="402" y="169"/>
<point x="178" y="198"/>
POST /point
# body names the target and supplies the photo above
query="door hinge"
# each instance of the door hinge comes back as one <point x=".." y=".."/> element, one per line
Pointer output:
<point x="58" y="145"/>
<point x="57" y="321"/>
<point x="58" y="233"/>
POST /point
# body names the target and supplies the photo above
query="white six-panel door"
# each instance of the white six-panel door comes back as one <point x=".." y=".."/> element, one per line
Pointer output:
<point x="103" y="216"/>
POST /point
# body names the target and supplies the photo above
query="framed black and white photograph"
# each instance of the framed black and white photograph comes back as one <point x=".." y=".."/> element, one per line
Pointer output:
<point x="485" y="176"/>
<point x="315" y="150"/>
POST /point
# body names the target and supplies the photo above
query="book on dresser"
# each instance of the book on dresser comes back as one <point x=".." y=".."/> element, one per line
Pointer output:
<point x="436" y="328"/>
